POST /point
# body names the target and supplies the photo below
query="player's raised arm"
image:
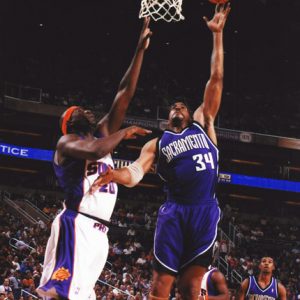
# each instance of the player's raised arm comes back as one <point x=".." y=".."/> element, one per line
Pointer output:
<point x="207" y="111"/>
<point x="112" y="121"/>
<point x="130" y="176"/>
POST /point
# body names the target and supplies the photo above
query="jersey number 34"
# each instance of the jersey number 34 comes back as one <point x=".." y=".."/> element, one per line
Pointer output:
<point x="203" y="161"/>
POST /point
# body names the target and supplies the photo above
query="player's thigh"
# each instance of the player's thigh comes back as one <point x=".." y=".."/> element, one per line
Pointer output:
<point x="91" y="250"/>
<point x="168" y="238"/>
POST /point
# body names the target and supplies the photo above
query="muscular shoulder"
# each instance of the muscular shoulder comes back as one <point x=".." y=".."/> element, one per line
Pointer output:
<point x="65" y="139"/>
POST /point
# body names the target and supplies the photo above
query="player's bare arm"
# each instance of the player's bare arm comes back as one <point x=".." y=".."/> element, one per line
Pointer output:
<point x="91" y="148"/>
<point x="241" y="293"/>
<point x="220" y="285"/>
<point x="281" y="291"/>
<point x="113" y="120"/>
<point x="208" y="110"/>
<point x="124" y="175"/>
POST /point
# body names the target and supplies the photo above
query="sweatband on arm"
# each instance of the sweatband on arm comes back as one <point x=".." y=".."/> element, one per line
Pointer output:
<point x="136" y="174"/>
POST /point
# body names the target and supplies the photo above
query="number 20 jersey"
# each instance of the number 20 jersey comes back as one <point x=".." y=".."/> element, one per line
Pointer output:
<point x="188" y="163"/>
<point x="76" y="176"/>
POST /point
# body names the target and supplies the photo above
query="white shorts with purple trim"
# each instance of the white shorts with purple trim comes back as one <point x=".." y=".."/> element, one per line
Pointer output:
<point x="74" y="258"/>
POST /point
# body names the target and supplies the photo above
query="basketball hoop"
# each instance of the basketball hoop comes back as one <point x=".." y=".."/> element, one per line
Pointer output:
<point x="167" y="10"/>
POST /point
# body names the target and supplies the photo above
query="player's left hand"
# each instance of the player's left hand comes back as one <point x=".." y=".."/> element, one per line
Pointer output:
<point x="103" y="179"/>
<point x="217" y="23"/>
<point x="145" y="35"/>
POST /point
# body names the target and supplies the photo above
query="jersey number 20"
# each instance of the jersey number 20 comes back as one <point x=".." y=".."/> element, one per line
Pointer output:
<point x="100" y="167"/>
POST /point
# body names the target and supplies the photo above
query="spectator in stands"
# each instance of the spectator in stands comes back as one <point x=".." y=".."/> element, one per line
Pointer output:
<point x="6" y="287"/>
<point x="26" y="266"/>
<point x="223" y="246"/>
<point x="16" y="264"/>
<point x="142" y="259"/>
<point x="27" y="282"/>
<point x="41" y="223"/>
<point x="131" y="231"/>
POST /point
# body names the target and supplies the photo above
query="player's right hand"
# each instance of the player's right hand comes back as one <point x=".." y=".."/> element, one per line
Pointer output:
<point x="145" y="35"/>
<point x="217" y="23"/>
<point x="133" y="131"/>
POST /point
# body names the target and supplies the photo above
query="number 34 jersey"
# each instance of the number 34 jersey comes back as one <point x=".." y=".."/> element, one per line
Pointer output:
<point x="76" y="177"/>
<point x="188" y="163"/>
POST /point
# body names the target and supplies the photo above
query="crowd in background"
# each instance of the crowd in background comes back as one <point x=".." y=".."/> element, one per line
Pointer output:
<point x="158" y="89"/>
<point x="127" y="274"/>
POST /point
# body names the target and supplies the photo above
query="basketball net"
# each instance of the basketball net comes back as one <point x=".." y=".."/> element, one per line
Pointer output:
<point x="167" y="10"/>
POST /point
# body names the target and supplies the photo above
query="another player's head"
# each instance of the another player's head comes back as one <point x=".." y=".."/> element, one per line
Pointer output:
<point x="266" y="265"/>
<point x="77" y="120"/>
<point x="180" y="115"/>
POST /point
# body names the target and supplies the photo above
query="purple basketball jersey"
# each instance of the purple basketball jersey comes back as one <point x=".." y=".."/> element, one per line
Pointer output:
<point x="188" y="162"/>
<point x="256" y="292"/>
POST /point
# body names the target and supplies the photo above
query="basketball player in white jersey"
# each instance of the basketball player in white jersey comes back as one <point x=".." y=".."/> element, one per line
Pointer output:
<point x="78" y="246"/>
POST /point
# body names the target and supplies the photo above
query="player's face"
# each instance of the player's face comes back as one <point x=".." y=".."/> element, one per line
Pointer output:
<point x="267" y="265"/>
<point x="179" y="113"/>
<point x="81" y="113"/>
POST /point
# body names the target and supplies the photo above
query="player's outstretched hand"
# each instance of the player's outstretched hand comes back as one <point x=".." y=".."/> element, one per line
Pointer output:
<point x="145" y="35"/>
<point x="103" y="178"/>
<point x="217" y="23"/>
<point x="133" y="131"/>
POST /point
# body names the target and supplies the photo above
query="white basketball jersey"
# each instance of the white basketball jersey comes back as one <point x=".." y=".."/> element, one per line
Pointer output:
<point x="102" y="201"/>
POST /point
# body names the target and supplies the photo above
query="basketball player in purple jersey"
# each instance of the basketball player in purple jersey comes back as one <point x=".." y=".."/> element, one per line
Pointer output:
<point x="78" y="246"/>
<point x="187" y="160"/>
<point x="264" y="286"/>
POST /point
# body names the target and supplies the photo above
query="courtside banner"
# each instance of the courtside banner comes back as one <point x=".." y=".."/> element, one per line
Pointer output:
<point x="260" y="182"/>
<point x="225" y="178"/>
<point x="24" y="152"/>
